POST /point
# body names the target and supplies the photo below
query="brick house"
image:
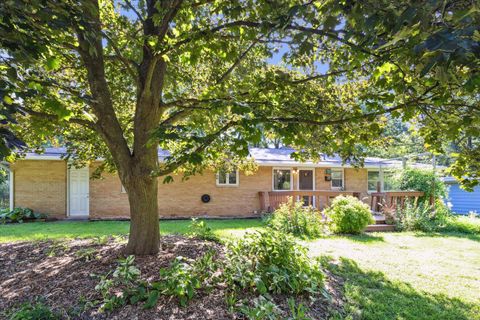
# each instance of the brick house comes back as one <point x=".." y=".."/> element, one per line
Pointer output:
<point x="45" y="183"/>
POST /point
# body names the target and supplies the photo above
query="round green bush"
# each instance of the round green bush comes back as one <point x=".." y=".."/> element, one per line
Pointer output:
<point x="348" y="215"/>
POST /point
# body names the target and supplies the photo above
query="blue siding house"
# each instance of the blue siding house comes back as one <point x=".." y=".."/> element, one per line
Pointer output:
<point x="461" y="201"/>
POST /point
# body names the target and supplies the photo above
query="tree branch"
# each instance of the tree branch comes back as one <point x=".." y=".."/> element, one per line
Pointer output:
<point x="53" y="117"/>
<point x="132" y="7"/>
<point x="126" y="62"/>
<point x="237" y="61"/>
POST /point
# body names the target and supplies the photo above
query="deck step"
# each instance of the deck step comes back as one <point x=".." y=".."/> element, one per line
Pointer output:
<point x="379" y="227"/>
<point x="379" y="219"/>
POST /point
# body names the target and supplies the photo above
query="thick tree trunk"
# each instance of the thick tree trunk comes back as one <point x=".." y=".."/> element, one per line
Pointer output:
<point x="144" y="238"/>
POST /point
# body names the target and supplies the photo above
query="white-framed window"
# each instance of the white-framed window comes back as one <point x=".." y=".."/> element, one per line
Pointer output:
<point x="282" y="179"/>
<point x="373" y="179"/>
<point x="386" y="179"/>
<point x="225" y="178"/>
<point x="337" y="179"/>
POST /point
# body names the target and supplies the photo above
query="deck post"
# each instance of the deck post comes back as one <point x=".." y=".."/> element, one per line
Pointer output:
<point x="264" y="201"/>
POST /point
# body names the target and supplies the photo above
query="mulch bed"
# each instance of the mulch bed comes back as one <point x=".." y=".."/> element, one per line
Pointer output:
<point x="59" y="274"/>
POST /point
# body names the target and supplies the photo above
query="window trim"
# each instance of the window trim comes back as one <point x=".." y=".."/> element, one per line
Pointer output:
<point x="343" y="178"/>
<point x="298" y="178"/>
<point x="381" y="177"/>
<point x="273" y="178"/>
<point x="227" y="180"/>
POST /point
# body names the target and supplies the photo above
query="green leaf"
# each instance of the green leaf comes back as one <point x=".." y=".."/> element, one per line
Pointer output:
<point x="52" y="63"/>
<point x="151" y="299"/>
<point x="7" y="100"/>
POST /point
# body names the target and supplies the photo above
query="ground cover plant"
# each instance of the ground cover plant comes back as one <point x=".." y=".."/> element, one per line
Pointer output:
<point x="294" y="218"/>
<point x="254" y="270"/>
<point x="348" y="214"/>
<point x="19" y="215"/>
<point x="434" y="274"/>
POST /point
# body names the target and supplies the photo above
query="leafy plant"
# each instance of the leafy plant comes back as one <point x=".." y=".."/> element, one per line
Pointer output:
<point x="125" y="275"/>
<point x="298" y="312"/>
<point x="36" y="311"/>
<point x="348" y="215"/>
<point x="468" y="225"/>
<point x="422" y="180"/>
<point x="422" y="216"/>
<point x="271" y="262"/>
<point x="178" y="280"/>
<point x="183" y="278"/>
<point x="199" y="229"/>
<point x="262" y="309"/>
<point x="18" y="215"/>
<point x="86" y="254"/>
<point x="292" y="217"/>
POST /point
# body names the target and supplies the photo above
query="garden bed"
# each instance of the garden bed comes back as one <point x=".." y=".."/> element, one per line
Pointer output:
<point x="62" y="273"/>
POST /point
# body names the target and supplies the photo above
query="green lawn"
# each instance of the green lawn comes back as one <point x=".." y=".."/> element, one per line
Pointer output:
<point x="386" y="275"/>
<point x="71" y="229"/>
<point x="407" y="275"/>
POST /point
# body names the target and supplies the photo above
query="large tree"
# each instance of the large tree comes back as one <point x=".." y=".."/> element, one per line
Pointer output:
<point x="118" y="79"/>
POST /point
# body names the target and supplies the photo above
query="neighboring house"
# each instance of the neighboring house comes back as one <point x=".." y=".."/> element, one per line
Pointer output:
<point x="461" y="201"/>
<point x="45" y="183"/>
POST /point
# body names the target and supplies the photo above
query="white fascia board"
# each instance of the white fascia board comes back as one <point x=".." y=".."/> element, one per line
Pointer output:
<point x="315" y="165"/>
<point x="40" y="157"/>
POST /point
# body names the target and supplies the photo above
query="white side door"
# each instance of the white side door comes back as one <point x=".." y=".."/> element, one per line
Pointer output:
<point x="78" y="192"/>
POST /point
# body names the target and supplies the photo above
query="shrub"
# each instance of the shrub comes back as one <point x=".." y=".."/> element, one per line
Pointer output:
<point x="422" y="217"/>
<point x="292" y="217"/>
<point x="36" y="311"/>
<point x="422" y="180"/>
<point x="271" y="262"/>
<point x="18" y="215"/>
<point x="348" y="215"/>
<point x="468" y="225"/>
<point x="199" y="229"/>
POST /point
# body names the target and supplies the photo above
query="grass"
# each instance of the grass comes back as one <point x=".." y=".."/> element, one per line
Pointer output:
<point x="386" y="275"/>
<point x="406" y="275"/>
<point x="35" y="231"/>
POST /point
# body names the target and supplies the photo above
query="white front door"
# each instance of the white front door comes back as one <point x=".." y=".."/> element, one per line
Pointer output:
<point x="79" y="192"/>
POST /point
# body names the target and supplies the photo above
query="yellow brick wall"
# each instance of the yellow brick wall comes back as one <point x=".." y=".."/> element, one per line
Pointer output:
<point x="182" y="198"/>
<point x="356" y="180"/>
<point x="41" y="186"/>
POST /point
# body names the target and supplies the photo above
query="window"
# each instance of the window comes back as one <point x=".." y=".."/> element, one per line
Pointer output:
<point x="282" y="179"/>
<point x="337" y="178"/>
<point x="386" y="179"/>
<point x="373" y="179"/>
<point x="227" y="178"/>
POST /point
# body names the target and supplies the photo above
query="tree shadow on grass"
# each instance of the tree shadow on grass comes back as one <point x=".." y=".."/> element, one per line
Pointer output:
<point x="365" y="238"/>
<point x="449" y="234"/>
<point x="370" y="295"/>
<point x="361" y="238"/>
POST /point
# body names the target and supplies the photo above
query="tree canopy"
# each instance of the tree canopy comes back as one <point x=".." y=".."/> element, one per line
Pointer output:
<point x="117" y="79"/>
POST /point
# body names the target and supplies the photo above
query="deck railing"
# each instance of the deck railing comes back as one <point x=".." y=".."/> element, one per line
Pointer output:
<point x="393" y="199"/>
<point x="320" y="199"/>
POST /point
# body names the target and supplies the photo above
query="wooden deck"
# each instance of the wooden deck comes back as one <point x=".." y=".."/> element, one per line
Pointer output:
<point x="320" y="199"/>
